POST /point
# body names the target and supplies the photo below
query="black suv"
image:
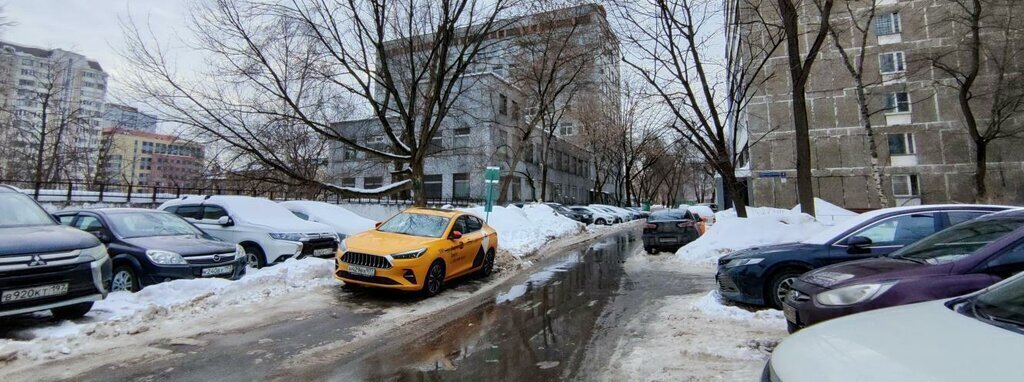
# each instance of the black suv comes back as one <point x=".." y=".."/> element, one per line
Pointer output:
<point x="44" y="265"/>
<point x="148" y="246"/>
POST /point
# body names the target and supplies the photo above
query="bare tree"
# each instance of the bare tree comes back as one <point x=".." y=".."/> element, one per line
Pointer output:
<point x="302" y="63"/>
<point x="986" y="73"/>
<point x="671" y="44"/>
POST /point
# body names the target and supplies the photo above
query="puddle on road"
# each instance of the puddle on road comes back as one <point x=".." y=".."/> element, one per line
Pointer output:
<point x="536" y="329"/>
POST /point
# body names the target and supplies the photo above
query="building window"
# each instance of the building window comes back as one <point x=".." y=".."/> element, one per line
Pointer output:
<point x="898" y="102"/>
<point x="348" y="182"/>
<point x="376" y="142"/>
<point x="436" y="144"/>
<point x="502" y="104"/>
<point x="372" y="182"/>
<point x="892" y="62"/>
<point x="432" y="186"/>
<point x="887" y="24"/>
<point x="905" y="186"/>
<point x="460" y="186"/>
<point x="462" y="132"/>
<point x="902" y="144"/>
<point x="566" y="129"/>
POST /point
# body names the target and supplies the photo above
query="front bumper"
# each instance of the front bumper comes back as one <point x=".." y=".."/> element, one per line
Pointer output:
<point x="741" y="284"/>
<point x="406" y="275"/>
<point x="153" y="274"/>
<point x="803" y="311"/>
<point x="86" y="282"/>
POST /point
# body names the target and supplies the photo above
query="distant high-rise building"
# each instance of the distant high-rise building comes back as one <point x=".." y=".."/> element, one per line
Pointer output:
<point x="118" y="116"/>
<point x="148" y="159"/>
<point x="51" y="98"/>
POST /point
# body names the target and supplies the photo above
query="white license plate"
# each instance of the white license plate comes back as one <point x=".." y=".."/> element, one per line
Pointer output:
<point x="222" y="270"/>
<point x="34" y="293"/>
<point x="790" y="313"/>
<point x="666" y="239"/>
<point x="323" y="252"/>
<point x="360" y="270"/>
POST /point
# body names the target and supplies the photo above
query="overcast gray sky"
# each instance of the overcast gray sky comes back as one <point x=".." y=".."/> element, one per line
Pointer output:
<point x="89" y="27"/>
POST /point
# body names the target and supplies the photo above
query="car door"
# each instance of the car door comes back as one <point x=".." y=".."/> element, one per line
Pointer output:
<point x="475" y="243"/>
<point x="94" y="225"/>
<point x="66" y="218"/>
<point x="458" y="259"/>
<point x="207" y="221"/>
<point x="887" y="235"/>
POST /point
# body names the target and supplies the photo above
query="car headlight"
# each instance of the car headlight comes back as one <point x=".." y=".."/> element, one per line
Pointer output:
<point x="741" y="262"/>
<point x="165" y="257"/>
<point x="342" y="246"/>
<point x="94" y="253"/>
<point x="239" y="252"/>
<point x="853" y="294"/>
<point x="288" y="236"/>
<point x="409" y="254"/>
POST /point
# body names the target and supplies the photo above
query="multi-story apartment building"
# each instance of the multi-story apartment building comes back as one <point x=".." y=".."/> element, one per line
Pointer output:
<point x="63" y="89"/>
<point x="924" y="152"/>
<point x="149" y="159"/>
<point x="479" y="131"/>
<point x="118" y="116"/>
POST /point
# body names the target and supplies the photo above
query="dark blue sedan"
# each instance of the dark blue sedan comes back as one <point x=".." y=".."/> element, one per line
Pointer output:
<point x="764" y="275"/>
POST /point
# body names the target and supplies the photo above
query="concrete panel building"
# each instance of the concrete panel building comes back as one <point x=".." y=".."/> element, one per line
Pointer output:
<point x="149" y="159"/>
<point x="116" y="116"/>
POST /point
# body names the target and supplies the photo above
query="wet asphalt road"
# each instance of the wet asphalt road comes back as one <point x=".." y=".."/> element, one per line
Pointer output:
<point x="559" y="321"/>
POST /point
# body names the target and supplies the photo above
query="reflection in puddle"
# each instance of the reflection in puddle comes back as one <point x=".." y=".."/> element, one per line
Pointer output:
<point x="537" y="329"/>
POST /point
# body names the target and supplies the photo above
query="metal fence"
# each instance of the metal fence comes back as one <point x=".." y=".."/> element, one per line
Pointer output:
<point x="78" y="192"/>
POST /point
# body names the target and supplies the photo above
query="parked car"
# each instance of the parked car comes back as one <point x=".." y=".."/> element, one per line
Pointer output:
<point x="580" y="216"/>
<point x="44" y="265"/>
<point x="668" y="230"/>
<point x="953" y="262"/>
<point x="267" y="231"/>
<point x="706" y="216"/>
<point x="419" y="250"/>
<point x="979" y="337"/>
<point x="345" y="223"/>
<point x="601" y="216"/>
<point x="643" y="214"/>
<point x="712" y="206"/>
<point x="148" y="247"/>
<point x="764" y="275"/>
<point x="623" y="215"/>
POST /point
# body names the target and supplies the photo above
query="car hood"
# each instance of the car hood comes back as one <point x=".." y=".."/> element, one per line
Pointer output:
<point x="292" y="225"/>
<point x="40" y="239"/>
<point x="768" y="250"/>
<point x="919" y="342"/>
<point x="385" y="243"/>
<point x="867" y="270"/>
<point x="184" y="245"/>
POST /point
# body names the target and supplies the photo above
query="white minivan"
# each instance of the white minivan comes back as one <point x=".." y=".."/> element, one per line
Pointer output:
<point x="267" y="231"/>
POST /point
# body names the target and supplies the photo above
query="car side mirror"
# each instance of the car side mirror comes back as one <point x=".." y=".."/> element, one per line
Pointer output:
<point x="858" y="242"/>
<point x="456" y="235"/>
<point x="101" y="235"/>
<point x="225" y="221"/>
<point x="377" y="224"/>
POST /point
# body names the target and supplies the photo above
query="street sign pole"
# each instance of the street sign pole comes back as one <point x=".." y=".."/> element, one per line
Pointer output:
<point x="491" y="178"/>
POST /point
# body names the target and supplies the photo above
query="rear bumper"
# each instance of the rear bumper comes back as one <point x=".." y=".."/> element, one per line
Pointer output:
<point x="668" y="240"/>
<point x="86" y="282"/>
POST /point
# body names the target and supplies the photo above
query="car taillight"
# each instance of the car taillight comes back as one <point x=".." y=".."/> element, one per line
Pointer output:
<point x="649" y="227"/>
<point x="684" y="224"/>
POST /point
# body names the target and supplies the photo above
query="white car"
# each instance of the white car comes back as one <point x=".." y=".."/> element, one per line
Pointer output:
<point x="601" y="217"/>
<point x="624" y="216"/>
<point x="979" y="337"/>
<point x="344" y="222"/>
<point x="267" y="231"/>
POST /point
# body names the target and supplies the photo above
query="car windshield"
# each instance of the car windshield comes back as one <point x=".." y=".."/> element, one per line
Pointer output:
<point x="416" y="225"/>
<point x="1004" y="302"/>
<point x="19" y="211"/>
<point x="145" y="224"/>
<point x="958" y="241"/>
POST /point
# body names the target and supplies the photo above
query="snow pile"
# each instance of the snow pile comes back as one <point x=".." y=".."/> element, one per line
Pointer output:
<point x="763" y="226"/>
<point x="713" y="305"/>
<point x="123" y="313"/>
<point x="523" y="230"/>
<point x="342" y="220"/>
<point x="827" y="212"/>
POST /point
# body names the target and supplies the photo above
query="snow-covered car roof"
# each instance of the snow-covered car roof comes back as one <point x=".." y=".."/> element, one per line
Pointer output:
<point x="338" y="217"/>
<point x="255" y="210"/>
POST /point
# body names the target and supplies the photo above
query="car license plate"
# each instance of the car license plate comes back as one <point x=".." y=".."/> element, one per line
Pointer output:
<point x="666" y="239"/>
<point x="323" y="252"/>
<point x="790" y="313"/>
<point x="360" y="270"/>
<point x="222" y="270"/>
<point x="34" y="293"/>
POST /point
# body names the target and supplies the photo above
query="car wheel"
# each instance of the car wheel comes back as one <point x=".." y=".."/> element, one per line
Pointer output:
<point x="434" y="281"/>
<point x="781" y="284"/>
<point x="599" y="222"/>
<point x="254" y="256"/>
<point x="124" y="279"/>
<point x="488" y="267"/>
<point x="72" y="311"/>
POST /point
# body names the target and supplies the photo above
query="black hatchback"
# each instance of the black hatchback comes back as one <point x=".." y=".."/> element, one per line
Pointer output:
<point x="148" y="246"/>
<point x="668" y="230"/>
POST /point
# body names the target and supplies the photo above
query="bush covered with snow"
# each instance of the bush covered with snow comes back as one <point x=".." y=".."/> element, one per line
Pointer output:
<point x="524" y="230"/>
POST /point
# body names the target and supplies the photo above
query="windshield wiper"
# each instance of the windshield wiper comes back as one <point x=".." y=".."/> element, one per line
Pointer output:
<point x="1006" y="323"/>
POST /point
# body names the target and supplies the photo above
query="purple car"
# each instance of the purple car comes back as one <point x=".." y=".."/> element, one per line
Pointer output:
<point x="959" y="260"/>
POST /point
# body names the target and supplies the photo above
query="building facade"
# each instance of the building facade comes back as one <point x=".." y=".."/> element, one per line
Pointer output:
<point x="52" y="98"/>
<point x="925" y="154"/>
<point x="116" y="116"/>
<point x="480" y="130"/>
<point x="149" y="159"/>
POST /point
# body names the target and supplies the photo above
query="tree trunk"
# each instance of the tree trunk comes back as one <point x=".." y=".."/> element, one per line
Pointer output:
<point x="980" y="170"/>
<point x="804" y="183"/>
<point x="419" y="196"/>
<point x="732" y="189"/>
<point x="865" y="117"/>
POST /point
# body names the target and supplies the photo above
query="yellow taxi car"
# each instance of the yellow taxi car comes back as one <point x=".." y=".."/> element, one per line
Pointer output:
<point x="419" y="250"/>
